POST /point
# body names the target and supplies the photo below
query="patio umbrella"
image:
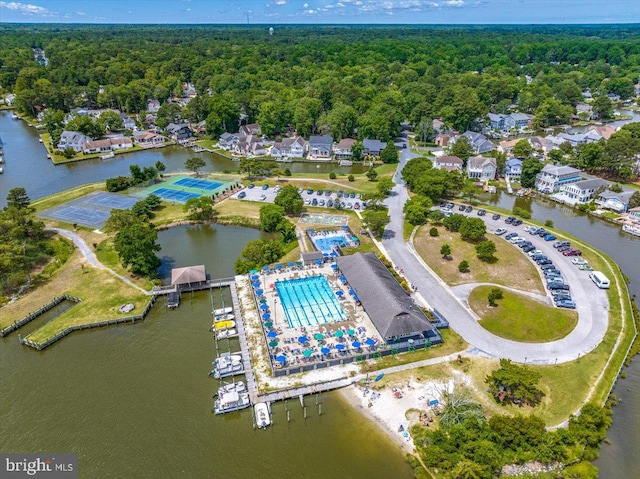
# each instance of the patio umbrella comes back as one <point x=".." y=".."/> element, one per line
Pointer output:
<point x="326" y="255"/>
<point x="339" y="293"/>
<point x="268" y="324"/>
<point x="356" y="344"/>
<point x="342" y="278"/>
<point x="262" y="301"/>
<point x="281" y="359"/>
<point x="333" y="253"/>
<point x="255" y="277"/>
<point x="266" y="267"/>
<point x="318" y="336"/>
<point x="303" y="339"/>
<point x="298" y="263"/>
<point x="344" y="227"/>
<point x="310" y="230"/>
<point x="370" y="342"/>
<point x="355" y="298"/>
<point x="307" y="353"/>
<point x="325" y="350"/>
<point x="352" y="291"/>
<point x="334" y="266"/>
<point x="253" y="271"/>
<point x="256" y="284"/>
<point x="264" y="306"/>
<point x="318" y="261"/>
<point x="278" y="266"/>
<point x="350" y="332"/>
<point x="273" y="344"/>
<point x="259" y="292"/>
<point x="272" y="334"/>
<point x="290" y="264"/>
<point x="266" y="316"/>
<point x="339" y="334"/>
<point x="340" y="347"/>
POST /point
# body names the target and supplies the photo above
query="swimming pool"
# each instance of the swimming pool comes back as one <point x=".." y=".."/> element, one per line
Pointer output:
<point x="309" y="302"/>
<point x="326" y="242"/>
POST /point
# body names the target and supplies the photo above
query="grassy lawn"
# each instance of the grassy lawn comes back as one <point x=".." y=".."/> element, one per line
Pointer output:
<point x="510" y="259"/>
<point x="107" y="255"/>
<point x="233" y="207"/>
<point x="67" y="195"/>
<point x="522" y="318"/>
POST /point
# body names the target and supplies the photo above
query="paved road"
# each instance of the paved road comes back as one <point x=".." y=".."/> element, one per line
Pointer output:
<point x="592" y="303"/>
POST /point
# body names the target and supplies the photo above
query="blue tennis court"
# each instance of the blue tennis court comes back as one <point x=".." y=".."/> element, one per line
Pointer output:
<point x="78" y="214"/>
<point x="309" y="301"/>
<point x="195" y="183"/>
<point x="174" y="195"/>
<point x="120" y="202"/>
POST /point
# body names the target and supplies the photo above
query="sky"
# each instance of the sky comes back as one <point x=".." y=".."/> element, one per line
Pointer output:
<point x="322" y="11"/>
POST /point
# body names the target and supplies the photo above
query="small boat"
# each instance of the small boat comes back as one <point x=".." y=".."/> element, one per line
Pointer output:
<point x="263" y="417"/>
<point x="1" y="170"/>
<point x="223" y="325"/>
<point x="218" y="312"/>
<point x="227" y="366"/>
<point x="237" y="386"/>
<point x="14" y="116"/>
<point x="345" y="163"/>
<point x="107" y="156"/>
<point x="39" y="140"/>
<point x="231" y="401"/>
<point x="224" y="317"/>
<point x="631" y="229"/>
<point x="173" y="301"/>
<point x="226" y="358"/>
<point x="227" y="333"/>
<point x="235" y="158"/>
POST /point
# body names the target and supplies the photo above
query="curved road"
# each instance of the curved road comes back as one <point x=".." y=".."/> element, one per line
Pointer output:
<point x="592" y="305"/>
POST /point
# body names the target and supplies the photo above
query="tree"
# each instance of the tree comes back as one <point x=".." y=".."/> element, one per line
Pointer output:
<point x="258" y="253"/>
<point x="351" y="178"/>
<point x="454" y="222"/>
<point x="356" y="151"/>
<point x="290" y="200"/>
<point x="287" y="229"/>
<point x="494" y="294"/>
<point x="416" y="209"/>
<point x="602" y="107"/>
<point x="136" y="246"/>
<point x="434" y="232"/>
<point x="389" y="153"/>
<point x="372" y="174"/>
<point x="424" y="131"/>
<point x="463" y="267"/>
<point x="445" y="250"/>
<point x="486" y="250"/>
<point x="458" y="406"/>
<point x="552" y="112"/>
<point x="530" y="168"/>
<point x="385" y="185"/>
<point x="194" y="164"/>
<point x="270" y="217"/>
<point x="462" y="148"/>
<point x="472" y="229"/>
<point x="634" y="201"/>
<point x="519" y="382"/>
<point x="200" y="209"/>
<point x="168" y="113"/>
<point x="522" y="149"/>
<point x="376" y="220"/>
<point x="332" y="175"/>
<point x="110" y="121"/>
<point x="160" y="168"/>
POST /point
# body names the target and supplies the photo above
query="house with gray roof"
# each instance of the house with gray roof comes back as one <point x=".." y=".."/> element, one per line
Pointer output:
<point x="581" y="192"/>
<point x="393" y="312"/>
<point x="482" y="168"/>
<point x="320" y="146"/>
<point x="498" y="121"/>
<point x="553" y="177"/>
<point x="289" y="148"/>
<point x="372" y="147"/>
<point x="478" y="141"/>
<point x="513" y="169"/>
<point x="72" y="139"/>
<point x="618" y="202"/>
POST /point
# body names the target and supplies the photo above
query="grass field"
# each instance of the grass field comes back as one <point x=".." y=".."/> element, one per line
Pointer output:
<point x="512" y="269"/>
<point x="521" y="318"/>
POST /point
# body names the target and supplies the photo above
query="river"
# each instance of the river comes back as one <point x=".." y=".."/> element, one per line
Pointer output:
<point x="134" y="400"/>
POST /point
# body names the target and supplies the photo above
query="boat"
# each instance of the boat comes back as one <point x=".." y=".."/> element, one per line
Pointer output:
<point x="1" y="170"/>
<point x="226" y="358"/>
<point x="263" y="417"/>
<point x="227" y="333"/>
<point x="231" y="401"/>
<point x="224" y="317"/>
<point x="345" y="163"/>
<point x="1" y="159"/>
<point x="173" y="301"/>
<point x="227" y="365"/>
<point x="237" y="386"/>
<point x="107" y="156"/>
<point x="631" y="229"/>
<point x="235" y="158"/>
<point x="221" y="325"/>
<point x="39" y="140"/>
<point x="218" y="312"/>
<point x="14" y="116"/>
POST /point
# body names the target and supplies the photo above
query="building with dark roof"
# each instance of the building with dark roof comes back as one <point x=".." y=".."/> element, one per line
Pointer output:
<point x="391" y="310"/>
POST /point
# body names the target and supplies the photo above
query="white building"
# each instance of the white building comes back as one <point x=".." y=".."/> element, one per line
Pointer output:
<point x="553" y="177"/>
<point x="481" y="168"/>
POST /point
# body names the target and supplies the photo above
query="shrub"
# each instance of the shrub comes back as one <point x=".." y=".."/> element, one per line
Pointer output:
<point x="332" y="175"/>
<point x="549" y="223"/>
<point x="287" y="172"/>
<point x="433" y="232"/>
<point x="351" y="178"/>
<point x="494" y="294"/>
<point x="521" y="212"/>
<point x="463" y="267"/>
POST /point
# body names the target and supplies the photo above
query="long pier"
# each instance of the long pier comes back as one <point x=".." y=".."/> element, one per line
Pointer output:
<point x="187" y="288"/>
<point x="252" y="385"/>
<point x="302" y="391"/>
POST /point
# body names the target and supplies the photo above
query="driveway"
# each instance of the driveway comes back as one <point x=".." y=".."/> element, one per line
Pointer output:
<point x="592" y="302"/>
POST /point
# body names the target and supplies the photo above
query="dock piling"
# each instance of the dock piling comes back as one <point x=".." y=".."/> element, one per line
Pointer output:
<point x="305" y="412"/>
<point x="288" y="416"/>
<point x="320" y="409"/>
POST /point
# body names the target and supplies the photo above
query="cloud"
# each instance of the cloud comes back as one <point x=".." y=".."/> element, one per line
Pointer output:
<point x="26" y="8"/>
<point x="306" y="5"/>
<point x="281" y="2"/>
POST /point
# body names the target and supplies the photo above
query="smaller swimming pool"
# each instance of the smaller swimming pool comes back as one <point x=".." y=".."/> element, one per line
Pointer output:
<point x="325" y="241"/>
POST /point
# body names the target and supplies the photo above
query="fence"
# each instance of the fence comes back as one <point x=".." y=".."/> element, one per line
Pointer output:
<point x="69" y="330"/>
<point x="31" y="316"/>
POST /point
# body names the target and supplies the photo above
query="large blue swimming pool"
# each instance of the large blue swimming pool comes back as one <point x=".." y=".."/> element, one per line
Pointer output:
<point x="309" y="302"/>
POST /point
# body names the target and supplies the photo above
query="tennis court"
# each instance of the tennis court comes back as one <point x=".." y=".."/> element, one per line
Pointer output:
<point x="202" y="184"/>
<point x="175" y="195"/>
<point x="323" y="219"/>
<point x="91" y="210"/>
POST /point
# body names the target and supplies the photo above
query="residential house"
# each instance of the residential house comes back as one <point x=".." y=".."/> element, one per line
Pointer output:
<point x="201" y="127"/>
<point x="289" y="148"/>
<point x="443" y="139"/>
<point x="372" y="147"/>
<point x="448" y="163"/>
<point x="553" y="177"/>
<point x="581" y="192"/>
<point x="478" y="141"/>
<point x="320" y="146"/>
<point x="228" y="141"/>
<point x="507" y="145"/>
<point x="634" y="214"/>
<point x="148" y="138"/>
<point x="127" y="122"/>
<point x="342" y="149"/>
<point x="618" y="202"/>
<point x="72" y="139"/>
<point x="481" y="168"/>
<point x="153" y="106"/>
<point x="541" y="144"/>
<point x="106" y="144"/>
<point x="251" y="146"/>
<point x="179" y="131"/>
<point x="511" y="121"/>
<point x="585" y="110"/>
<point x="513" y="169"/>
<point x="250" y="129"/>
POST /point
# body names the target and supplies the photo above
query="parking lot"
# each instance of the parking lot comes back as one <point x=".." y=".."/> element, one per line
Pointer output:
<point x="310" y="197"/>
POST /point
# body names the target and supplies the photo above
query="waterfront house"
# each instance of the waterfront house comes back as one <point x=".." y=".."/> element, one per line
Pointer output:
<point x="449" y="163"/>
<point x="72" y="139"/>
<point x="553" y="177"/>
<point x="320" y="146"/>
<point x="228" y="141"/>
<point x="179" y="131"/>
<point x="506" y="146"/>
<point x="127" y="122"/>
<point x="289" y="148"/>
<point x="585" y="110"/>
<point x="513" y="169"/>
<point x="106" y="145"/>
<point x="618" y="202"/>
<point x="342" y="149"/>
<point x="481" y="168"/>
<point x="251" y="146"/>
<point x="250" y="129"/>
<point x="580" y="192"/>
<point x="634" y="214"/>
<point x="372" y="147"/>
<point x="148" y="138"/>
<point x="502" y="122"/>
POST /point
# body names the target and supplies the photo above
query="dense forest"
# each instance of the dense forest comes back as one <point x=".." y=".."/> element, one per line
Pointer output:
<point x="344" y="80"/>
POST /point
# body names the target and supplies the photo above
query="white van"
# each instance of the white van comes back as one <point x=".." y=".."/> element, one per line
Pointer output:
<point x="600" y="280"/>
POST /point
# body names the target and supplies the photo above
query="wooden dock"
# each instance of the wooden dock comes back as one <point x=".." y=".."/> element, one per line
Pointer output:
<point x="300" y="392"/>
<point x="209" y="284"/>
<point x="252" y="385"/>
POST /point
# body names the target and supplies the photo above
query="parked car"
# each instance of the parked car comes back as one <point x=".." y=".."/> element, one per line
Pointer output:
<point x="251" y="185"/>
<point x="310" y="191"/>
<point x="353" y="195"/>
<point x="265" y="186"/>
<point x="263" y="197"/>
<point x="443" y="204"/>
<point x="468" y="209"/>
<point x="328" y="193"/>
<point x="547" y="266"/>
<point x="572" y="252"/>
<point x="329" y="202"/>
<point x="500" y="231"/>
<point x="509" y="219"/>
<point x="319" y="192"/>
<point x="356" y="206"/>
<point x="340" y="193"/>
<point x="534" y="252"/>
<point x="307" y="202"/>
<point x="241" y="195"/>
<point x="277" y="188"/>
<point x="558" y="285"/>
<point x="557" y="244"/>
<point x="578" y="261"/>
<point x="314" y="202"/>
<point x="564" y="248"/>
<point x="533" y="230"/>
<point x="558" y="292"/>
<point x="541" y="232"/>
<point x="524" y="244"/>
<point x="543" y="261"/>
<point x="321" y="202"/>
<point x="562" y="297"/>
<point x="566" y="304"/>
<point x="300" y="190"/>
<point x="538" y="256"/>
<point x="495" y="217"/>
<point x="528" y="248"/>
<point x="585" y="267"/>
<point x="461" y="207"/>
<point x="548" y="237"/>
<point x="516" y="240"/>
<point x="551" y="272"/>
<point x="450" y="205"/>
<point x="516" y="222"/>
<point x="481" y="212"/>
<point x="510" y="235"/>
